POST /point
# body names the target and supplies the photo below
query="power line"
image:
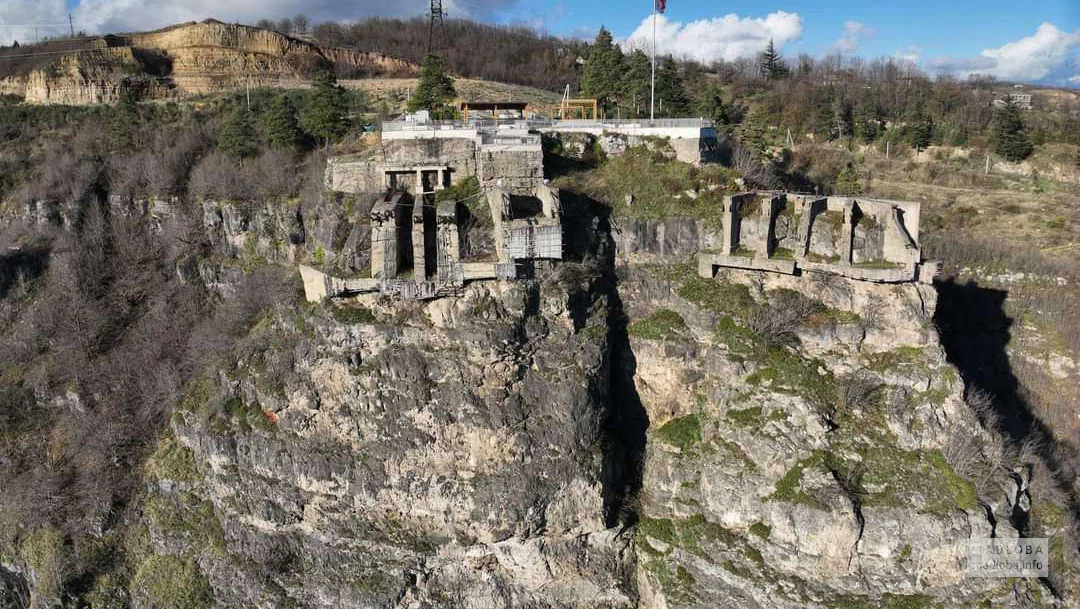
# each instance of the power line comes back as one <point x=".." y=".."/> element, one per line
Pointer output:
<point x="436" y="18"/>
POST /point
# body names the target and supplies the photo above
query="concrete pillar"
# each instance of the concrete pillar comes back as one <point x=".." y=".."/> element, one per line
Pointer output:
<point x="419" y="183"/>
<point x="847" y="232"/>
<point x="808" y="208"/>
<point x="731" y="231"/>
<point x="419" y="260"/>
<point x="448" y="244"/>
<point x="439" y="179"/>
<point x="384" y="239"/>
<point x="499" y="204"/>
<point x="768" y="214"/>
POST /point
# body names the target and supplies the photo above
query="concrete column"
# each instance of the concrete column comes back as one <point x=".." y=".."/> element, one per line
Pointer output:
<point x="731" y="234"/>
<point x="767" y="214"/>
<point x="419" y="260"/>
<point x="439" y="180"/>
<point x="384" y="239"/>
<point x="847" y="232"/>
<point x="419" y="183"/>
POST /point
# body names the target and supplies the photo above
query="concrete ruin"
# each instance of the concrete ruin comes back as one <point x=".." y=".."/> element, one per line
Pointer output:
<point x="860" y="238"/>
<point x="424" y="245"/>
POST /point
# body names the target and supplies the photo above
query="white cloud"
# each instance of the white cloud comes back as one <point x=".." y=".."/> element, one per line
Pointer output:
<point x="118" y="16"/>
<point x="1028" y="59"/>
<point x="1074" y="80"/>
<point x="20" y="18"/>
<point x="729" y="37"/>
<point x="910" y="54"/>
<point x="854" y="32"/>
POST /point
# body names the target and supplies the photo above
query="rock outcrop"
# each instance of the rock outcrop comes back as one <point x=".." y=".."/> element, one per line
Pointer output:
<point x="615" y="432"/>
<point x="187" y="59"/>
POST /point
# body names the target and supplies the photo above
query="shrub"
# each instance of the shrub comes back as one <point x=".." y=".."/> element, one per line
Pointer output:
<point x="169" y="582"/>
<point x="682" y="432"/>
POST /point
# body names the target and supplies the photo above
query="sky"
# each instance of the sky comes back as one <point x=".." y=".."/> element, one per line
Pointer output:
<point x="1025" y="41"/>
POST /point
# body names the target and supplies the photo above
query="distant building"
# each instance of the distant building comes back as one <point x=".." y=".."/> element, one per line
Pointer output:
<point x="1020" y="100"/>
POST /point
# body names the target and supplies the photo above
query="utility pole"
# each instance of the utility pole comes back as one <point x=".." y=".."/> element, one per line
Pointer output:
<point x="652" y="79"/>
<point x="436" y="17"/>
<point x="71" y="23"/>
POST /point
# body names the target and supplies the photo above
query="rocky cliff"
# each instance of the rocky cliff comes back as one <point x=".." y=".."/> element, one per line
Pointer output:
<point x="187" y="59"/>
<point x="615" y="432"/>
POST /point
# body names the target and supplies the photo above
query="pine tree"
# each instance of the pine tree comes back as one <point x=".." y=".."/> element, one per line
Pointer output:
<point x="712" y="105"/>
<point x="752" y="135"/>
<point x="634" y="88"/>
<point x="920" y="130"/>
<point x="237" y="135"/>
<point x="671" y="98"/>
<point x="435" y="88"/>
<point x="326" y="111"/>
<point x="603" y="72"/>
<point x="847" y="181"/>
<point x="772" y="64"/>
<point x="867" y="125"/>
<point x="280" y="124"/>
<point x="1009" y="136"/>
<point x="125" y="117"/>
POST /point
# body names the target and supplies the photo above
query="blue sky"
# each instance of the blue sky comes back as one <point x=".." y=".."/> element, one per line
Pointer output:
<point x="1030" y="41"/>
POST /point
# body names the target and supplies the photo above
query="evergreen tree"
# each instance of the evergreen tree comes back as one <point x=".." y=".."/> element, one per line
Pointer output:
<point x="671" y="98"/>
<point x="725" y="115"/>
<point x="326" y="110"/>
<point x="634" y="88"/>
<point x="603" y="73"/>
<point x="280" y="124"/>
<point x="125" y="117"/>
<point x="237" y="135"/>
<point x="753" y="137"/>
<point x="1009" y="136"/>
<point x="772" y="64"/>
<point x="435" y="88"/>
<point x="920" y="129"/>
<point x="843" y="120"/>
<point x="867" y="125"/>
<point x="847" y="181"/>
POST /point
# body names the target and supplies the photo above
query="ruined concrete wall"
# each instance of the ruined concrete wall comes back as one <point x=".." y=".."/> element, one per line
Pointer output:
<point x="671" y="239"/>
<point x="365" y="174"/>
<point x="520" y="171"/>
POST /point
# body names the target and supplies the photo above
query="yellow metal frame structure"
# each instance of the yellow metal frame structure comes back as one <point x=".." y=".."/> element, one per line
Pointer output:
<point x="569" y="108"/>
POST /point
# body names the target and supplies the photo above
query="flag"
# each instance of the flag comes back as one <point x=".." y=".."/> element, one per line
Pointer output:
<point x="661" y="5"/>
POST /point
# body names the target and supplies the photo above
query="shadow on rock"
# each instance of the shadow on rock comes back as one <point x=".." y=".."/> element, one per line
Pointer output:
<point x="975" y="332"/>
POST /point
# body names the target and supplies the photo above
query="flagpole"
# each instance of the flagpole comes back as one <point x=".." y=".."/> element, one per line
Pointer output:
<point x="652" y="79"/>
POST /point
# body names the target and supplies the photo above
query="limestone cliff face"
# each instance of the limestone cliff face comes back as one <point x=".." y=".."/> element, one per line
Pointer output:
<point x="451" y="457"/>
<point x="188" y="59"/>
<point x="613" y="433"/>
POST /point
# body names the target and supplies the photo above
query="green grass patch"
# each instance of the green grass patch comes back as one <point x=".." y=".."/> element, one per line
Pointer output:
<point x="900" y="356"/>
<point x="732" y="299"/>
<point x="761" y="529"/>
<point x="170" y="582"/>
<point x="783" y="253"/>
<point x="657" y="185"/>
<point x="187" y="517"/>
<point x="789" y="487"/>
<point x="662" y="324"/>
<point x="347" y="314"/>
<point x="747" y="417"/>
<point x="892" y="475"/>
<point x="172" y="461"/>
<point x="683" y="432"/>
<point x="877" y="264"/>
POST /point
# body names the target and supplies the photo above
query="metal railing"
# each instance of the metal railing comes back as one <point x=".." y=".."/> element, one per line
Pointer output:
<point x="534" y="123"/>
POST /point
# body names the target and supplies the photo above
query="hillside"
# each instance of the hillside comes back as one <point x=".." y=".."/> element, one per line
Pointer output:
<point x="175" y="62"/>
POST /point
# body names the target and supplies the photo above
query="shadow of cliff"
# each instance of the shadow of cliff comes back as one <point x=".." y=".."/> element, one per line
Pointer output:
<point x="588" y="240"/>
<point x="975" y="332"/>
<point x="22" y="264"/>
